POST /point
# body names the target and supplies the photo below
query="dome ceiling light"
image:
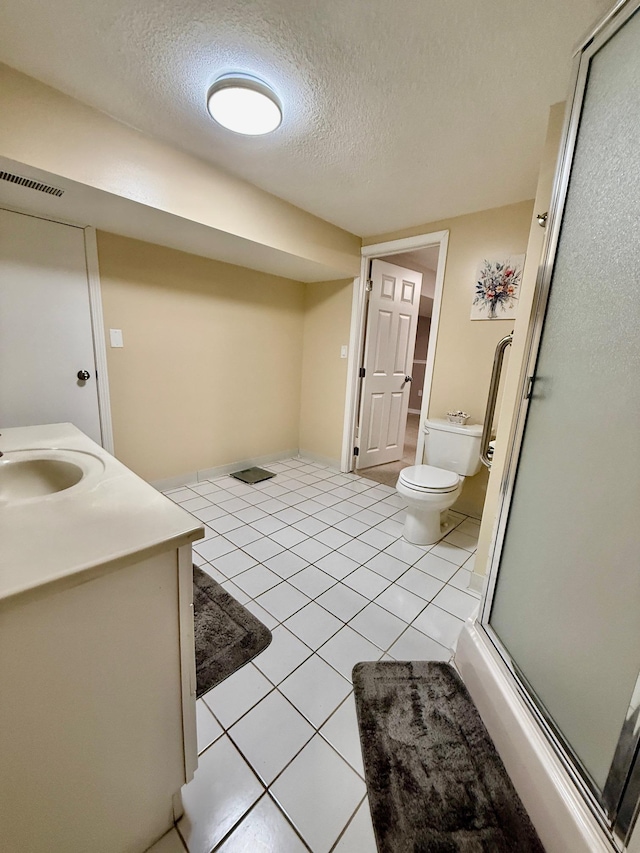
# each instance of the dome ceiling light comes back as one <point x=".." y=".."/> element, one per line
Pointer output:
<point x="244" y="104"/>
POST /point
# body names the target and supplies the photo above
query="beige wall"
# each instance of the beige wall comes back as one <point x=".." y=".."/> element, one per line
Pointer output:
<point x="464" y="348"/>
<point x="210" y="372"/>
<point x="422" y="338"/>
<point x="324" y="374"/>
<point x="420" y="352"/>
<point x="511" y="391"/>
<point x="45" y="129"/>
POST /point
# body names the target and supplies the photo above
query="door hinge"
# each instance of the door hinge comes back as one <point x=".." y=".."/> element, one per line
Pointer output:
<point x="356" y="451"/>
<point x="529" y="391"/>
<point x="361" y="373"/>
<point x="369" y="285"/>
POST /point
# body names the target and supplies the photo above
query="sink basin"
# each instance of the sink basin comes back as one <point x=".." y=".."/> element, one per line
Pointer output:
<point x="33" y="474"/>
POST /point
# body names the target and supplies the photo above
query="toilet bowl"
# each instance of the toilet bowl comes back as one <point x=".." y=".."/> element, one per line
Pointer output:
<point x="428" y="491"/>
<point x="452" y="452"/>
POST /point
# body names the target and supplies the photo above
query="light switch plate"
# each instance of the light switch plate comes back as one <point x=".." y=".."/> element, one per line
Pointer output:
<point x="115" y="337"/>
<point x="343" y="351"/>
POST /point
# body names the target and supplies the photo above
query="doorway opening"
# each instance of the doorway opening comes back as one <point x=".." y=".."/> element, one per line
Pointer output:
<point x="394" y="328"/>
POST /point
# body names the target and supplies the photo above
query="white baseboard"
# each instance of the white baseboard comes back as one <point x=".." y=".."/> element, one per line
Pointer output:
<point x="556" y="808"/>
<point x="477" y="582"/>
<point x="321" y="460"/>
<point x="220" y="470"/>
<point x="175" y="482"/>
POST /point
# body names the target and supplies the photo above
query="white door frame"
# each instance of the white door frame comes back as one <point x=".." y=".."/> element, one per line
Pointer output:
<point x="99" y="340"/>
<point x="358" y="325"/>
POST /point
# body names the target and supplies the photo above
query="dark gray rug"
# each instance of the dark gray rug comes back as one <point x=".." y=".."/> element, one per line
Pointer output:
<point x="227" y="635"/>
<point x="435" y="781"/>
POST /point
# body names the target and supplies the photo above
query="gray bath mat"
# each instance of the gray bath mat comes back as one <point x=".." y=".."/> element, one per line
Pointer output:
<point x="227" y="635"/>
<point x="435" y="781"/>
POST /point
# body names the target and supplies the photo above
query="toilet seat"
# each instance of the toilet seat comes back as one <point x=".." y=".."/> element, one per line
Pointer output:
<point x="428" y="479"/>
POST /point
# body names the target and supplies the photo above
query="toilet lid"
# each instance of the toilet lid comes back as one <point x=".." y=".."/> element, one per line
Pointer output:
<point x="428" y="478"/>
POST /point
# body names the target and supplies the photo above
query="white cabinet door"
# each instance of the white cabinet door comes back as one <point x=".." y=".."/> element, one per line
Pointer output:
<point x="388" y="359"/>
<point x="45" y="326"/>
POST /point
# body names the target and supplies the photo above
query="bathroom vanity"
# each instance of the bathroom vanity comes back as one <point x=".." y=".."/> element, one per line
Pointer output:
<point x="97" y="669"/>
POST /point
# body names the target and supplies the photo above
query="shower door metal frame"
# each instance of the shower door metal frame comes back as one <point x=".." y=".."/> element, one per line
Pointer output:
<point x="616" y="808"/>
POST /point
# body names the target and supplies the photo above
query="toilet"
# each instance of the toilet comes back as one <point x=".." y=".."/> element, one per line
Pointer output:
<point x="452" y="452"/>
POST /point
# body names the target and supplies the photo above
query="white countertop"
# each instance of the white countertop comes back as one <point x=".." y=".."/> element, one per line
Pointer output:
<point x="107" y="518"/>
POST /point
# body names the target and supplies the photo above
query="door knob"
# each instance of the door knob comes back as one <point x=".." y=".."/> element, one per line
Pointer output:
<point x="408" y="378"/>
<point x="83" y="375"/>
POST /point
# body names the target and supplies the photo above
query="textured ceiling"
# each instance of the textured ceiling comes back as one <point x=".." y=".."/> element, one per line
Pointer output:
<point x="396" y="112"/>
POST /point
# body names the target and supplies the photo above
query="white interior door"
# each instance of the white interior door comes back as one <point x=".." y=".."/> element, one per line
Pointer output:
<point x="390" y="339"/>
<point x="45" y="326"/>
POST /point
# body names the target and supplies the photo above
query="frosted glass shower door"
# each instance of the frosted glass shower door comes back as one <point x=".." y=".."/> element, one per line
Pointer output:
<point x="566" y="606"/>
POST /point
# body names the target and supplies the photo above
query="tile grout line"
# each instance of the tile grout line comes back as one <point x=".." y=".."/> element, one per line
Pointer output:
<point x="267" y="786"/>
<point x="276" y="687"/>
<point x="358" y="612"/>
<point x="348" y="824"/>
<point x="341" y="581"/>
<point x="271" y="799"/>
<point x="348" y="624"/>
<point x="337" y="580"/>
<point x="369" y="601"/>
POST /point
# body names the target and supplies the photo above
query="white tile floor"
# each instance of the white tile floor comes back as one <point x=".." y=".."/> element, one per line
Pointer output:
<point x="318" y="557"/>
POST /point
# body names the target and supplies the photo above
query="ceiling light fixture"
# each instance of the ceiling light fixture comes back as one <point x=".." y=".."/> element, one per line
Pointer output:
<point x="244" y="104"/>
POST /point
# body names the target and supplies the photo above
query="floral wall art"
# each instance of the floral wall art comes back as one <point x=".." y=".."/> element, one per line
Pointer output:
<point x="497" y="287"/>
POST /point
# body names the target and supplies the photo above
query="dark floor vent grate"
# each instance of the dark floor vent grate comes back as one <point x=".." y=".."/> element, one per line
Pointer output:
<point x="32" y="185"/>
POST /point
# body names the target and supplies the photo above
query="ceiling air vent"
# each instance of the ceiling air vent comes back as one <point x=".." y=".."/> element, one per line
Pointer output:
<point x="32" y="185"/>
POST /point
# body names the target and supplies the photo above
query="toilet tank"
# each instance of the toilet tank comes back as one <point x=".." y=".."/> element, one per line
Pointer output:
<point x="454" y="447"/>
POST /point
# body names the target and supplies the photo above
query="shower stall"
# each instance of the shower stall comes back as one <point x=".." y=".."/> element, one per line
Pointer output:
<point x="561" y="610"/>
